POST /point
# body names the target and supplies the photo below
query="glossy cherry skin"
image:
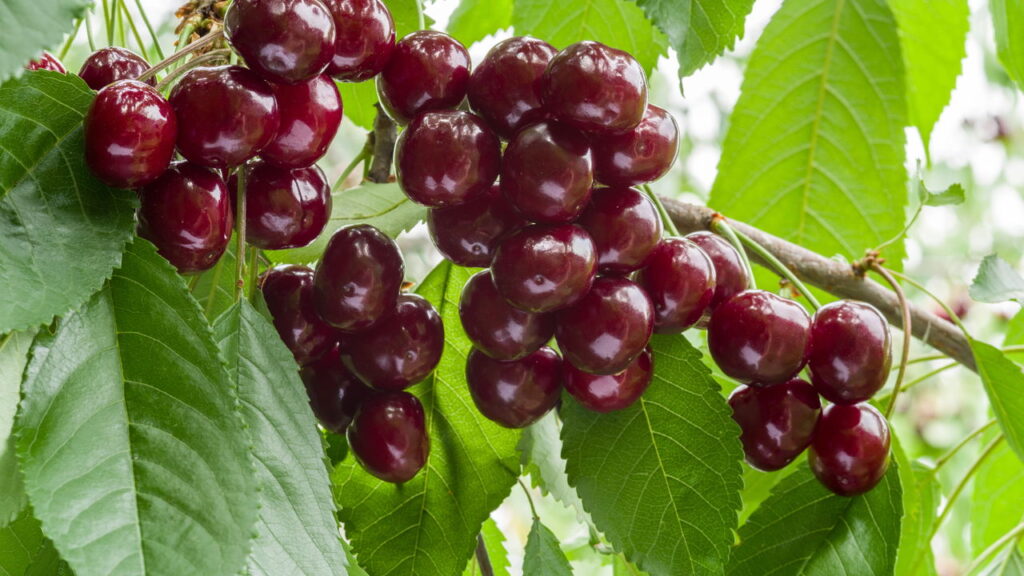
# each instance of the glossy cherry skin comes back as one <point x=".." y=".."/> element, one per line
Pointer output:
<point x="730" y="275"/>
<point x="288" y="292"/>
<point x="505" y="89"/>
<point x="129" y="134"/>
<point x="640" y="155"/>
<point x="547" y="173"/>
<point x="108" y="65"/>
<point x="365" y="39"/>
<point x="287" y="41"/>
<point x="625" y="227"/>
<point x="849" y="353"/>
<point x="759" y="338"/>
<point x="388" y="436"/>
<point x="446" y="158"/>
<point x="544" y="268"/>
<point x="469" y="234"/>
<point x="611" y="392"/>
<point x="46" y="61"/>
<point x="595" y="88"/>
<point x="518" y="393"/>
<point x="497" y="328"/>
<point x="334" y="393"/>
<point x="427" y="71"/>
<point x="310" y="115"/>
<point x="850" y="450"/>
<point x="401" y="349"/>
<point x="284" y="208"/>
<point x="226" y="115"/>
<point x="187" y="214"/>
<point x="605" y="330"/>
<point x="776" y="422"/>
<point x="680" y="280"/>
<point x="358" y="278"/>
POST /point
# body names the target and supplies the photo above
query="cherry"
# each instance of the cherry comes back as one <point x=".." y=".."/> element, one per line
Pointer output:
<point x="186" y="213"/>
<point x="680" y="280"/>
<point x="46" y="61"/>
<point x="334" y="393"/>
<point x="288" y="292"/>
<point x="776" y="422"/>
<point x="605" y="330"/>
<point x="388" y="436"/>
<point x="129" y="134"/>
<point x="505" y="89"/>
<point x="365" y="39"/>
<point x="610" y="392"/>
<point x="284" y="208"/>
<point x="497" y="328"/>
<point x="469" y="234"/>
<point x="401" y="349"/>
<point x="730" y="275"/>
<point x="640" y="155"/>
<point x="849" y="352"/>
<point x="427" y="71"/>
<point x="543" y="268"/>
<point x="547" y="173"/>
<point x="625" y="227"/>
<point x="518" y="393"/>
<point x="358" y="278"/>
<point x="286" y="41"/>
<point x="310" y="115"/>
<point x="108" y="65"/>
<point x="446" y="157"/>
<point x="850" y="450"/>
<point x="759" y="338"/>
<point x="595" y="88"/>
<point x="226" y="115"/>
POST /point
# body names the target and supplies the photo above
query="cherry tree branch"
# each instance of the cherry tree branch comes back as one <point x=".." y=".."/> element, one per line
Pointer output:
<point x="384" y="135"/>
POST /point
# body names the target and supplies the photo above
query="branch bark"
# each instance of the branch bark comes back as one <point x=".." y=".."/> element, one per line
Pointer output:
<point x="385" y="133"/>
<point x="836" y="278"/>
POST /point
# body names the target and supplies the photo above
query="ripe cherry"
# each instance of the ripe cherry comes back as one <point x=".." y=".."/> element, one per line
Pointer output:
<point x="284" y="208"/>
<point x="544" y="268"/>
<point x="469" y="234"/>
<point x="388" y="436"/>
<point x="849" y="352"/>
<point x="334" y="393"/>
<point x="850" y="450"/>
<point x="518" y="393"/>
<point x="129" y="134"/>
<point x="446" y="158"/>
<point x="496" y="327"/>
<point x="288" y="292"/>
<point x="776" y="422"/>
<point x="46" y="61"/>
<point x="640" y="155"/>
<point x="547" y="174"/>
<point x="428" y="71"/>
<point x="680" y="280"/>
<point x="365" y="39"/>
<point x="610" y="392"/>
<point x="505" y="89"/>
<point x="287" y="41"/>
<point x="108" y="65"/>
<point x="730" y="275"/>
<point x="625" y="227"/>
<point x="310" y="115"/>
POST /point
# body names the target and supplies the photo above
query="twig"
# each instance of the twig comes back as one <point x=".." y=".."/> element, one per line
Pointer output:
<point x="482" y="558"/>
<point x="385" y="133"/>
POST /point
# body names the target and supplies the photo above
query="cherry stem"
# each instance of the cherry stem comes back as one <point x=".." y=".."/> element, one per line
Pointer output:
<point x="135" y="31"/>
<point x="945" y="458"/>
<point x="951" y="501"/>
<point x="724" y="229"/>
<point x="208" y="58"/>
<point x="666" y="220"/>
<point x="365" y="154"/>
<point x="924" y="378"/>
<point x="88" y="31"/>
<point x="529" y="498"/>
<point x="254" y="266"/>
<point x="770" y="258"/>
<point x="1015" y="535"/>
<point x="482" y="559"/>
<point x="945" y="307"/>
<point x="907" y="332"/>
<point x="166" y="62"/>
<point x="240" y="232"/>
<point x="933" y="357"/>
<point x="71" y="38"/>
<point x="152" y="32"/>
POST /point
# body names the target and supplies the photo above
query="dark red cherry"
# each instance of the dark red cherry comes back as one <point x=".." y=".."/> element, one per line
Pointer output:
<point x="547" y="174"/>
<point x="288" y="292"/>
<point x="518" y="393"/>
<point x="505" y="89"/>
<point x="605" y="330"/>
<point x="286" y="41"/>
<point x="776" y="422"/>
<point x="334" y="393"/>
<point x="108" y="65"/>
<point x="496" y="327"/>
<point x="850" y="450"/>
<point x="625" y="227"/>
<point x="310" y="116"/>
<point x="187" y="214"/>
<point x="446" y="158"/>
<point x="226" y="115"/>
<point x="365" y="40"/>
<point x="129" y="134"/>
<point x="759" y="338"/>
<point x="469" y="234"/>
<point x="610" y="392"/>
<point x="849" y="353"/>
<point x="730" y="275"/>
<point x="388" y="436"/>
<point x="595" y="88"/>
<point x="401" y="349"/>
<point x="46" y="61"/>
<point x="284" y="208"/>
<point x="680" y="279"/>
<point x="640" y="155"/>
<point x="543" y="268"/>
<point x="358" y="278"/>
<point x="427" y="71"/>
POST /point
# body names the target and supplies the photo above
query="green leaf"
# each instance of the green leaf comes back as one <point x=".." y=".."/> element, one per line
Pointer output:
<point x="758" y="486"/>
<point x="1003" y="382"/>
<point x="30" y="27"/>
<point x="429" y="524"/>
<point x="20" y="544"/>
<point x="1008" y="23"/>
<point x="951" y="196"/>
<point x="494" y="542"/>
<point x="541" y="451"/>
<point x="921" y="496"/>
<point x="804" y="529"/>
<point x="997" y="282"/>
<point x="48" y="562"/>
<point x="359" y="99"/>
<point x="297" y="531"/>
<point x="408" y="16"/>
<point x="13" y="357"/>
<point x="214" y="289"/>
<point x="815" y="150"/>
<point x="130" y="439"/>
<point x="1015" y="330"/>
<point x="61" y="231"/>
<point x="544" y="556"/>
<point x="997" y="506"/>
<point x="474" y="20"/>
<point x="699" y="30"/>
<point x="661" y="478"/>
